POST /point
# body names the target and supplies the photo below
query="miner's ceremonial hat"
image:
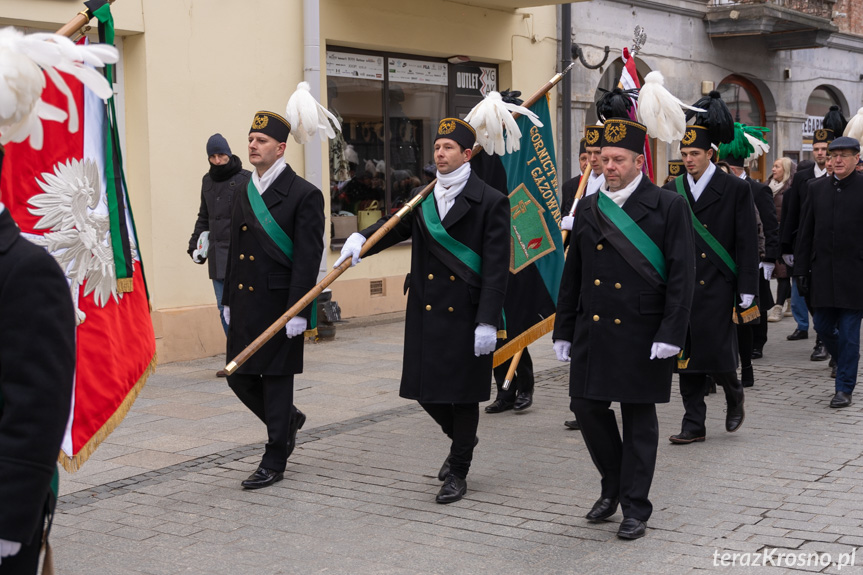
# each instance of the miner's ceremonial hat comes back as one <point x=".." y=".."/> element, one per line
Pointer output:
<point x="457" y="130"/>
<point x="272" y="125"/>
<point x="581" y="147"/>
<point x="675" y="167"/>
<point x="822" y="136"/>
<point x="592" y="136"/>
<point x="619" y="133"/>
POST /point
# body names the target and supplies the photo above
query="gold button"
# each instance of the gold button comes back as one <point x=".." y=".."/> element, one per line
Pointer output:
<point x="251" y="258"/>
<point x="596" y="282"/>
<point x="705" y="226"/>
<point x="616" y="322"/>
<point x="242" y="257"/>
<point x="240" y="286"/>
<point x="617" y="286"/>
<point x="596" y="318"/>
<point x="251" y="288"/>
<point x="701" y="282"/>
<point x="431" y="276"/>
<point x="244" y="228"/>
<point x="599" y="246"/>
<point x="449" y="309"/>
<point x="703" y="255"/>
<point x="452" y="278"/>
<point x="428" y="308"/>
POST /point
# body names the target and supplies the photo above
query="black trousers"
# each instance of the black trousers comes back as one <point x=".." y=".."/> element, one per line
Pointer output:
<point x="522" y="381"/>
<point x="783" y="290"/>
<point x="759" y="332"/>
<point x="626" y="465"/>
<point x="459" y="421"/>
<point x="26" y="561"/>
<point x="693" y="388"/>
<point x="271" y="398"/>
<point x="745" y="341"/>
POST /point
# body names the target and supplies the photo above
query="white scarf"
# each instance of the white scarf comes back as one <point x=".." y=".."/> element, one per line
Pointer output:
<point x="820" y="171"/>
<point x="448" y="187"/>
<point x="697" y="187"/>
<point x="620" y="196"/>
<point x="263" y="182"/>
<point x="775" y="186"/>
<point x="593" y="183"/>
<point x="2" y="207"/>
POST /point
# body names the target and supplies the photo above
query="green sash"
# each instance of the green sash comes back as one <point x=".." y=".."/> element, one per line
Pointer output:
<point x="278" y="235"/>
<point x="633" y="233"/>
<point x="55" y="481"/>
<point x="708" y="238"/>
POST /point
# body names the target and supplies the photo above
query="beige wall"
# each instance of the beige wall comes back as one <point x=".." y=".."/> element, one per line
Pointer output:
<point x="198" y="67"/>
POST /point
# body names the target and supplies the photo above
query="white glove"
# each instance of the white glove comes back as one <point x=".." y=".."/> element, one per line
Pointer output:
<point x="746" y="300"/>
<point x="484" y="339"/>
<point x="226" y="313"/>
<point x="351" y="249"/>
<point x="296" y="326"/>
<point x="562" y="349"/>
<point x="8" y="548"/>
<point x="768" y="269"/>
<point x="661" y="350"/>
<point x="204" y="244"/>
<point x="196" y="257"/>
<point x="788" y="258"/>
<point x="566" y="222"/>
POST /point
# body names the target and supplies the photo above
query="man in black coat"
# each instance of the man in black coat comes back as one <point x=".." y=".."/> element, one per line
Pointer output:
<point x="615" y="299"/>
<point x="828" y="265"/>
<point x="723" y="207"/>
<point x="277" y="230"/>
<point x="460" y="249"/>
<point x="793" y="201"/>
<point x="37" y="370"/>
<point x="225" y="178"/>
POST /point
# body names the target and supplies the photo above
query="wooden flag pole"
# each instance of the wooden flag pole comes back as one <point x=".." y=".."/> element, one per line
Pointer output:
<point x="76" y="24"/>
<point x="307" y="299"/>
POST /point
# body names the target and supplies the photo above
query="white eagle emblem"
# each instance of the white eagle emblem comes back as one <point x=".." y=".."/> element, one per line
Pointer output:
<point x="74" y="209"/>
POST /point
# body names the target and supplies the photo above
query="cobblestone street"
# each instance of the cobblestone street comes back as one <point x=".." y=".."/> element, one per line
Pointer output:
<point x="162" y="494"/>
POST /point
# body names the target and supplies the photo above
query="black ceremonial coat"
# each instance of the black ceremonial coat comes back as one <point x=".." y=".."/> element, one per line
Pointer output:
<point x="763" y="197"/>
<point x="443" y="309"/>
<point x="37" y="369"/>
<point x="830" y="242"/>
<point x="792" y="209"/>
<point x="261" y="283"/>
<point x="726" y="208"/>
<point x="612" y="315"/>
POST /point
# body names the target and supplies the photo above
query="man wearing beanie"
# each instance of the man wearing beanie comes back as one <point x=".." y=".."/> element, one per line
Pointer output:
<point x="277" y="230"/>
<point x="460" y="242"/>
<point x="212" y="234"/>
<point x="625" y="293"/>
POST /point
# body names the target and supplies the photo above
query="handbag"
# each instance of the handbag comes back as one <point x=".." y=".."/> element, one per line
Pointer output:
<point x="370" y="215"/>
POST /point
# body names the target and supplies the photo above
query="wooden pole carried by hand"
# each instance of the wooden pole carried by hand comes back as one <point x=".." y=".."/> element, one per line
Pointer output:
<point x="76" y="24"/>
<point x="307" y="299"/>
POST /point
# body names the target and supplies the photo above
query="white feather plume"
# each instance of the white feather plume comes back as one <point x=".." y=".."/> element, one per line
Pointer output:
<point x="760" y="147"/>
<point x="496" y="129"/>
<point x="854" y="129"/>
<point x="23" y="58"/>
<point x="307" y="117"/>
<point x="660" y="111"/>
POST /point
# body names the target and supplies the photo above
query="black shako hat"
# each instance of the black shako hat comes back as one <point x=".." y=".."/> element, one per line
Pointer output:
<point x="696" y="137"/>
<point x="675" y="167"/>
<point x="458" y="131"/>
<point x="619" y="133"/>
<point x="844" y="143"/>
<point x="822" y="136"/>
<point x="272" y="125"/>
<point x="592" y="136"/>
<point x="582" y="149"/>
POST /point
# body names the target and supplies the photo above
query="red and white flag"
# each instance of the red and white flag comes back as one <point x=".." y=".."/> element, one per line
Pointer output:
<point x="70" y="197"/>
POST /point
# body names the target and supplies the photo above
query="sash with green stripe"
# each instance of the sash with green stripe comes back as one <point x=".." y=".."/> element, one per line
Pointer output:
<point x="720" y="253"/>
<point x="55" y="481"/>
<point x="632" y="232"/>
<point x="463" y="253"/>
<point x="277" y="234"/>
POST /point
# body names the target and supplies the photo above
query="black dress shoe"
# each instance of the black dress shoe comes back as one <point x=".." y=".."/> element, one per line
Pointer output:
<point x="734" y="417"/>
<point x="757" y="354"/>
<point x="604" y="508"/>
<point x="685" y="437"/>
<point x="297" y="422"/>
<point x="819" y="353"/>
<point x="572" y="424"/>
<point x="499" y="406"/>
<point x="444" y="469"/>
<point x="747" y="378"/>
<point x="523" y="400"/>
<point x="263" y="477"/>
<point x="631" y="528"/>
<point x="841" y="399"/>
<point x="453" y="489"/>
<point x="798" y="334"/>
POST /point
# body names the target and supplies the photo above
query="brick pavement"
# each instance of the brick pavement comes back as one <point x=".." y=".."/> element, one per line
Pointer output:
<point x="162" y="495"/>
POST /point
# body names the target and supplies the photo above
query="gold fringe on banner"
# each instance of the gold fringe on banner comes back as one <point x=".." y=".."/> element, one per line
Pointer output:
<point x="124" y="285"/>
<point x="74" y="463"/>
<point x="523" y="340"/>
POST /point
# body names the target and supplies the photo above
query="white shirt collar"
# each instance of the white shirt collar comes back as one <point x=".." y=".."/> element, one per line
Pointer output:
<point x="2" y="207"/>
<point x="696" y="188"/>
